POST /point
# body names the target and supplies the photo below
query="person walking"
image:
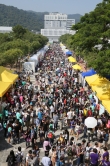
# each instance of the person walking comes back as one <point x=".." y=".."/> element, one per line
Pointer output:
<point x="55" y="121"/>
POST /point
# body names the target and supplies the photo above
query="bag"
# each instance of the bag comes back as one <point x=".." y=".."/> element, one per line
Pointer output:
<point x="10" y="161"/>
<point x="28" y="118"/>
<point x="106" y="137"/>
<point x="28" y="139"/>
<point x="61" y="163"/>
<point x="74" y="149"/>
<point x="48" y="147"/>
<point x="87" y="154"/>
<point x="51" y="126"/>
<point x="35" y="135"/>
<point x="24" y="136"/>
<point x="69" y="151"/>
<point x="19" y="158"/>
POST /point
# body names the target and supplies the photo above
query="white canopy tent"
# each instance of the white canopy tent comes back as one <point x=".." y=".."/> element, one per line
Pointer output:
<point x="46" y="47"/>
<point x="35" y="59"/>
<point x="29" y="66"/>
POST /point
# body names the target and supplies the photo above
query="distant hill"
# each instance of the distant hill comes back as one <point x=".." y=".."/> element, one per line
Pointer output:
<point x="11" y="16"/>
<point x="75" y="16"/>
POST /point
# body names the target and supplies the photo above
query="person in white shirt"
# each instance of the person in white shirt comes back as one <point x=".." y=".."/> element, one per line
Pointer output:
<point x="28" y="157"/>
<point x="97" y="146"/>
<point x="69" y="117"/>
<point x="46" y="160"/>
<point x="52" y="110"/>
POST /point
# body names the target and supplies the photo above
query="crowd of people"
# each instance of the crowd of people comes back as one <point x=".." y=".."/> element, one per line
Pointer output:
<point x="56" y="101"/>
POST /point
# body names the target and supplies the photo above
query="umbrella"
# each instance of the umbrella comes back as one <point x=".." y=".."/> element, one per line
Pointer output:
<point x="71" y="59"/>
<point x="77" y="67"/>
<point x="68" y="53"/>
<point x="90" y="122"/>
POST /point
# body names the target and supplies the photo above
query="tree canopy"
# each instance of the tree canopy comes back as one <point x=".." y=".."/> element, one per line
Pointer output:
<point x="19" y="43"/>
<point x="92" y="38"/>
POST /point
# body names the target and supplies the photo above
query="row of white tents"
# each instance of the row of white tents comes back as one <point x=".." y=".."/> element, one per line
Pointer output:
<point x="34" y="60"/>
<point x="64" y="49"/>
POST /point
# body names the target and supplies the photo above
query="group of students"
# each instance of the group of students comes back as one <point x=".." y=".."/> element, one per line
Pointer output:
<point x="56" y="100"/>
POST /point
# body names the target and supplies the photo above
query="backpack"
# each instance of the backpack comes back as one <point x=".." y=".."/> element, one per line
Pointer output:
<point x="69" y="151"/>
<point x="35" y="134"/>
<point x="50" y="135"/>
<point x="61" y="163"/>
<point x="106" y="137"/>
<point x="19" y="157"/>
<point x="10" y="161"/>
<point x="51" y="126"/>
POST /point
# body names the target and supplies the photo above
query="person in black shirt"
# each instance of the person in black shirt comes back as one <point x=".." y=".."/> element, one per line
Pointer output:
<point x="17" y="129"/>
<point x="11" y="159"/>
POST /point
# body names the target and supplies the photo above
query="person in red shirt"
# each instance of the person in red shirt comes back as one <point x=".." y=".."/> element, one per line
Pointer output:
<point x="65" y="101"/>
<point x="90" y="112"/>
<point x="98" y="107"/>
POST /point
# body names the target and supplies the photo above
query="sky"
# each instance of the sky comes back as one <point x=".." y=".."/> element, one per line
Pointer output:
<point x="62" y="6"/>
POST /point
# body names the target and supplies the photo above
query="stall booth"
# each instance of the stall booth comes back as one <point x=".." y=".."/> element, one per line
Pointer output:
<point x="82" y="76"/>
<point x="29" y="66"/>
<point x="34" y="59"/>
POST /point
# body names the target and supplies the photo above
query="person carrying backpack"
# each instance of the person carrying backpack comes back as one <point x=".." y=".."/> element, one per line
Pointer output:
<point x="19" y="156"/>
<point x="11" y="159"/>
<point x="106" y="137"/>
<point x="61" y="162"/>
<point x="28" y="119"/>
<point x="70" y="153"/>
<point x="51" y="126"/>
<point x="50" y="136"/>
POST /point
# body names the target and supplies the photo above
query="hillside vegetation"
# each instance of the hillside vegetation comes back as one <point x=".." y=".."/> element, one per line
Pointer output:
<point x="12" y="16"/>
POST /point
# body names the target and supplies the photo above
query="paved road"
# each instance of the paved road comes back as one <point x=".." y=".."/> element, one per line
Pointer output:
<point x="5" y="148"/>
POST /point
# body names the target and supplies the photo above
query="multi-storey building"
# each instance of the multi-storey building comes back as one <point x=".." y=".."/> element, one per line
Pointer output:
<point x="5" y="29"/>
<point x="57" y="24"/>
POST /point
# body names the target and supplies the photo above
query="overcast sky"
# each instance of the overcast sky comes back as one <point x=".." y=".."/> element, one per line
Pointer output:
<point x="63" y="6"/>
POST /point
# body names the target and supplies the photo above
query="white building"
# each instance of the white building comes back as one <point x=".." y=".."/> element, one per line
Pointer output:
<point x="57" y="24"/>
<point x="5" y="29"/>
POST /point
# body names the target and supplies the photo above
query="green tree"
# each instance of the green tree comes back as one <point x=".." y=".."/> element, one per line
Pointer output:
<point x="34" y="46"/>
<point x="19" y="31"/>
<point x="92" y="38"/>
<point x="20" y="42"/>
<point x="11" y="56"/>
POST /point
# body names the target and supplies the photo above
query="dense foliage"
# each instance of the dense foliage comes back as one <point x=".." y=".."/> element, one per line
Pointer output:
<point x="19" y="43"/>
<point x="92" y="38"/>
